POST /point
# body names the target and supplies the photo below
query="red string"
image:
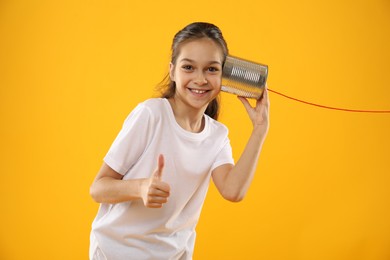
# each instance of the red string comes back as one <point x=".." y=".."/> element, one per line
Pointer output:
<point x="327" y="107"/>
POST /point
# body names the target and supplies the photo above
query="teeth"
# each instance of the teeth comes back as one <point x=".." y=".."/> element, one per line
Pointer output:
<point x="197" y="91"/>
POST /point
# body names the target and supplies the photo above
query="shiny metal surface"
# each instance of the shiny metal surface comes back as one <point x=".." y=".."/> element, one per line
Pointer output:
<point x="244" y="78"/>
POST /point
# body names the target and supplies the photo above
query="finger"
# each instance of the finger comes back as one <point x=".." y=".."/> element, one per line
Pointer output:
<point x="160" y="188"/>
<point x="154" y="205"/>
<point x="265" y="98"/>
<point x="263" y="102"/>
<point x="157" y="199"/>
<point x="158" y="193"/>
<point x="246" y="103"/>
<point x="160" y="167"/>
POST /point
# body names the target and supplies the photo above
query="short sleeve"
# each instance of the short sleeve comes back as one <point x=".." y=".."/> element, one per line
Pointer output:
<point x="131" y="140"/>
<point x="224" y="156"/>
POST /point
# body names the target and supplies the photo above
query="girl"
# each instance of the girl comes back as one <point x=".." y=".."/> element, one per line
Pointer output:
<point x="155" y="176"/>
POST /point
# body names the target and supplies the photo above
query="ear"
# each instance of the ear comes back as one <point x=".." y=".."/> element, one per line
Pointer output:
<point x="171" y="71"/>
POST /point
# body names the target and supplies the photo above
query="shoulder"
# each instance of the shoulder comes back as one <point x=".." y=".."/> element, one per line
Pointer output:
<point x="151" y="110"/>
<point x="150" y="106"/>
<point x="216" y="126"/>
<point x="154" y="104"/>
<point x="144" y="111"/>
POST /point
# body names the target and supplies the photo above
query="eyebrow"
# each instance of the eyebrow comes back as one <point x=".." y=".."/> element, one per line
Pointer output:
<point x="189" y="60"/>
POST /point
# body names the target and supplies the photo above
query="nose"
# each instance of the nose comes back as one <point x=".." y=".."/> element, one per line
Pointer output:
<point x="200" y="79"/>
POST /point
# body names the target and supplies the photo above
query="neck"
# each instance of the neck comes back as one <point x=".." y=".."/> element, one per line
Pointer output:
<point x="189" y="119"/>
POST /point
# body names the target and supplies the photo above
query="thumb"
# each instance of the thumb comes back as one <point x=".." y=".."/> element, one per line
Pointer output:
<point x="160" y="167"/>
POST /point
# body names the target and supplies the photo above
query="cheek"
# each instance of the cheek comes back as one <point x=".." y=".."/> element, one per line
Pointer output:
<point x="215" y="80"/>
<point x="183" y="79"/>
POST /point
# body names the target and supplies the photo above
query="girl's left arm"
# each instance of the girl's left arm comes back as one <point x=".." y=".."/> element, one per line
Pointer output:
<point x="233" y="181"/>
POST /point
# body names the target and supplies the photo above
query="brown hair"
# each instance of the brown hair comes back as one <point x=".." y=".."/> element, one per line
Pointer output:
<point x="194" y="31"/>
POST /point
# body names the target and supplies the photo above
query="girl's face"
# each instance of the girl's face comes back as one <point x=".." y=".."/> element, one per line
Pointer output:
<point x="197" y="73"/>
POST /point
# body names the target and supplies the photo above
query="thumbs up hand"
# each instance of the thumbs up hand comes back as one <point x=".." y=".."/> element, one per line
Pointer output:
<point x="154" y="191"/>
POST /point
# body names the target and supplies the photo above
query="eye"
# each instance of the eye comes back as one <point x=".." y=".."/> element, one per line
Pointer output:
<point x="213" y="69"/>
<point x="187" y="67"/>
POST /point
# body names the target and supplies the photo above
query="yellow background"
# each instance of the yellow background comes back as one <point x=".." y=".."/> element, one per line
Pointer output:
<point x="72" y="70"/>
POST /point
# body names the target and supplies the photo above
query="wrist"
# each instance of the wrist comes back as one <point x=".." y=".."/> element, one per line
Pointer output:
<point x="137" y="188"/>
<point x="260" y="130"/>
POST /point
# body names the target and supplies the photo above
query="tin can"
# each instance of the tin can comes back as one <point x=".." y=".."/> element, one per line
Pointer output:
<point x="244" y="78"/>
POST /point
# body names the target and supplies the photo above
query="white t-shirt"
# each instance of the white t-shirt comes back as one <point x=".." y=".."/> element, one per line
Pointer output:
<point x="129" y="230"/>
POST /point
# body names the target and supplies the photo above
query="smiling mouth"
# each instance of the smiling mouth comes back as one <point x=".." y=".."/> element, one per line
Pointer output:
<point x="198" y="91"/>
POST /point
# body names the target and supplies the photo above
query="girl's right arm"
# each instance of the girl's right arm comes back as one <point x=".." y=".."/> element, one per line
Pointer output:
<point x="108" y="187"/>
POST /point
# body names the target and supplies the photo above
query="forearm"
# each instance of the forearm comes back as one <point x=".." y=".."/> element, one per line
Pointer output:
<point x="239" y="178"/>
<point x="111" y="190"/>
